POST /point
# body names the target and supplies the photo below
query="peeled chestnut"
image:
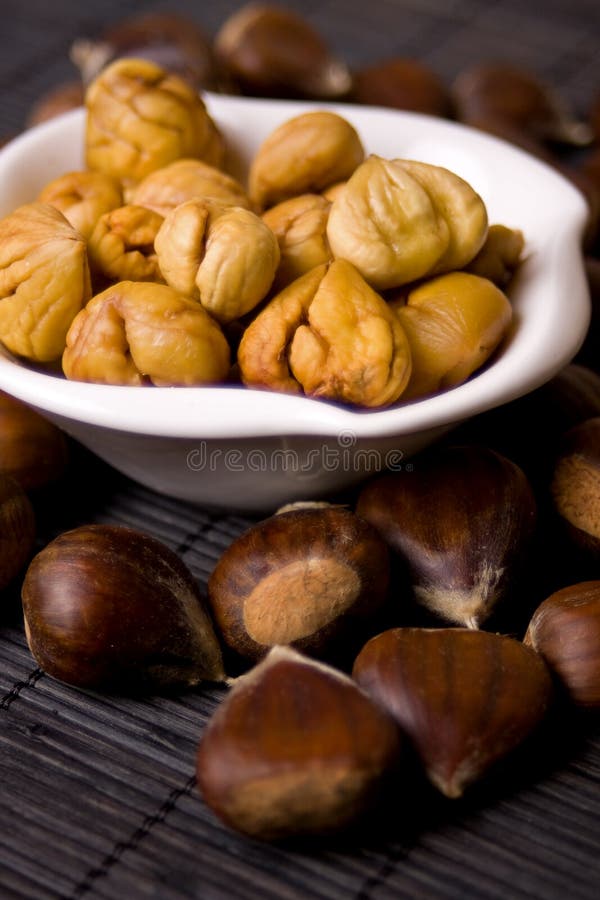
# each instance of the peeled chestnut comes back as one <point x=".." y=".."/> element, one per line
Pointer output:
<point x="272" y="51"/>
<point x="465" y="699"/>
<point x="461" y="522"/>
<point x="32" y="450"/>
<point x="565" y="630"/>
<point x="174" y="42"/>
<point x="109" y="607"/>
<point x="17" y="529"/>
<point x="575" y="486"/>
<point x="308" y="577"/>
<point x="402" y="84"/>
<point x="296" y="748"/>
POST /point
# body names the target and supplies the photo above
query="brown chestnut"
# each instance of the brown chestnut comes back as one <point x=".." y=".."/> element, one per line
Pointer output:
<point x="575" y="487"/>
<point x="507" y="93"/>
<point x="565" y="630"/>
<point x="402" y="84"/>
<point x="174" y="42"/>
<point x="461" y="522"/>
<point x="17" y="529"/>
<point x="107" y="606"/>
<point x="309" y="577"/>
<point x="272" y="51"/>
<point x="296" y="748"/>
<point x="464" y="698"/>
<point x="32" y="449"/>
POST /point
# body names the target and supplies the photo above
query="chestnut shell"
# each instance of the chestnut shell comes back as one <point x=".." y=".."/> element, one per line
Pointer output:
<point x="310" y="578"/>
<point x="108" y="606"/>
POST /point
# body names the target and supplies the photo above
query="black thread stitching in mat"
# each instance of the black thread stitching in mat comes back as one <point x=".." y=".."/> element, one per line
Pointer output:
<point x="381" y="875"/>
<point x="31" y="680"/>
<point x="121" y="847"/>
<point x="192" y="536"/>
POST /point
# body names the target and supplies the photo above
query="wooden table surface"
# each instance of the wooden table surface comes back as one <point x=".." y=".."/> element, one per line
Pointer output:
<point x="97" y="795"/>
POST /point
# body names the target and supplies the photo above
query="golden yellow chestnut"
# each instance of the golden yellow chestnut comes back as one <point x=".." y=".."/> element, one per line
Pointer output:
<point x="44" y="281"/>
<point x="330" y="335"/>
<point x="187" y="179"/>
<point x="121" y="246"/>
<point x="499" y="256"/>
<point x="307" y="153"/>
<point x="225" y="257"/>
<point x="82" y="197"/>
<point x="138" y="333"/>
<point x="300" y="226"/>
<point x="398" y="220"/>
<point x="141" y="117"/>
<point x="453" y="324"/>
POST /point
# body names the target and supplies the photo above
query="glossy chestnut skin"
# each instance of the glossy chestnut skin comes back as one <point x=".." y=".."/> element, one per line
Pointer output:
<point x="310" y="578"/>
<point x="402" y="84"/>
<point x="17" y="529"/>
<point x="565" y="630"/>
<point x="464" y="698"/>
<point x="520" y="99"/>
<point x="461" y="522"/>
<point x="174" y="42"/>
<point x="107" y="606"/>
<point x="274" y="52"/>
<point x="296" y="748"/>
<point x="32" y="450"/>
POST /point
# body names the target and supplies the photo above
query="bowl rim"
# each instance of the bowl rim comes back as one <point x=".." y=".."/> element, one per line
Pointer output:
<point x="224" y="411"/>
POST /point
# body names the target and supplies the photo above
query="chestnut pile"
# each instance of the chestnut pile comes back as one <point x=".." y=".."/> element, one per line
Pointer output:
<point x="267" y="50"/>
<point x="446" y="610"/>
<point x="362" y="281"/>
<point x="400" y="628"/>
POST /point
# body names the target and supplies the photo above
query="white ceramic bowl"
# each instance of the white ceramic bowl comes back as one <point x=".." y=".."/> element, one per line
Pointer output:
<point x="251" y="450"/>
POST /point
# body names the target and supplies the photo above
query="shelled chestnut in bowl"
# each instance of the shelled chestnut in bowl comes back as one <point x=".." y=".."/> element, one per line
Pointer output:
<point x="236" y="447"/>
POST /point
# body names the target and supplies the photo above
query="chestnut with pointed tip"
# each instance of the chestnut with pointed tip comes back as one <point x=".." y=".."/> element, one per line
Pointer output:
<point x="519" y="98"/>
<point x="272" y="51"/>
<point x="174" y="42"/>
<point x="296" y="748"/>
<point x="308" y="577"/>
<point x="461" y="521"/>
<point x="565" y="630"/>
<point x="464" y="698"/>
<point x="107" y="606"/>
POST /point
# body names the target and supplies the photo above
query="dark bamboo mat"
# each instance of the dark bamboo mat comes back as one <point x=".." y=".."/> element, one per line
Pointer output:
<point x="97" y="797"/>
